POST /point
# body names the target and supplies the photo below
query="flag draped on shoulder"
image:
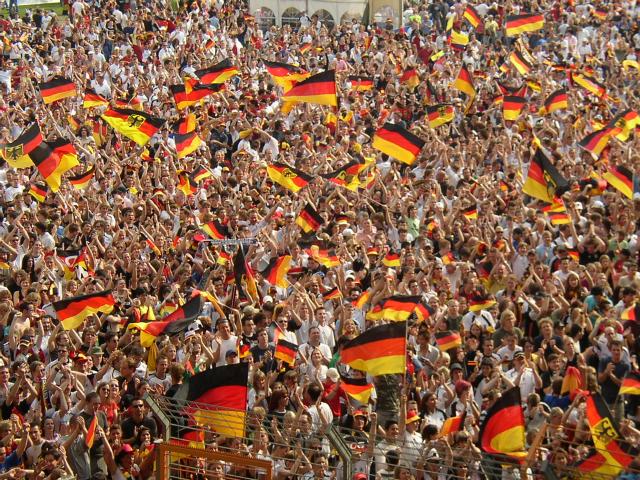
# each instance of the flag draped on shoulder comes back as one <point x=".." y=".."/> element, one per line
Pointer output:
<point x="379" y="350"/>
<point x="133" y="124"/>
<point x="398" y="143"/>
<point x="544" y="181"/>
<point x="319" y="89"/>
<point x="73" y="311"/>
<point x="503" y="429"/>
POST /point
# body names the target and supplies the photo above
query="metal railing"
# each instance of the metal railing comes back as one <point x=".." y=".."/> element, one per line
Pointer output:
<point x="200" y="439"/>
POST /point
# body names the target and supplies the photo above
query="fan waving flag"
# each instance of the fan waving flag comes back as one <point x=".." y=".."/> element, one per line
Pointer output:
<point x="471" y="15"/>
<point x="623" y="124"/>
<point x="556" y="101"/>
<point x="309" y="220"/>
<point x="503" y="429"/>
<point x="357" y="388"/>
<point x="438" y="115"/>
<point x="187" y="144"/>
<point x="16" y="153"/>
<point x="512" y="107"/>
<point x="73" y="311"/>
<point x="398" y="143"/>
<point x="347" y="176"/>
<point x="360" y="84"/>
<point x="522" y="65"/>
<point x="185" y="125"/>
<point x="56" y="89"/>
<point x="82" y="180"/>
<point x="397" y="308"/>
<point x="219" y="73"/>
<point x="285" y="350"/>
<point x="630" y="384"/>
<point x="379" y="350"/>
<point x="453" y="424"/>
<point x="285" y="75"/>
<point x="39" y="191"/>
<point x="410" y="78"/>
<point x="320" y="89"/>
<point x="135" y="125"/>
<point x="448" y="340"/>
<point x="589" y="83"/>
<point x="464" y="82"/>
<point x="53" y="160"/>
<point x="595" y="142"/>
<point x="276" y="272"/>
<point x="92" y="99"/>
<point x="185" y="97"/>
<point x="544" y="182"/>
<point x="518" y="24"/>
<point x="288" y="177"/>
<point x="621" y="178"/>
<point x="216" y="230"/>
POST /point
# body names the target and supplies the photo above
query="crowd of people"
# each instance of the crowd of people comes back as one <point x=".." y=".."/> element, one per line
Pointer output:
<point x="555" y="295"/>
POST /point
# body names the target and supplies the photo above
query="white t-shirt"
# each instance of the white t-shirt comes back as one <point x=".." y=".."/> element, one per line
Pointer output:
<point x="225" y="346"/>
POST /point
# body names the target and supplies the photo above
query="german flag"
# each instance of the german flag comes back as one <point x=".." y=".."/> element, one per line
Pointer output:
<point x="453" y="424"/>
<point x="99" y="132"/>
<point x="154" y="248"/>
<point x="56" y="89"/>
<point x="185" y="125"/>
<point x="276" y="272"/>
<point x="621" y="178"/>
<point x="448" y="258"/>
<point x="471" y="15"/>
<point x="360" y="84"/>
<point x="285" y="75"/>
<point x="458" y="40"/>
<point x="223" y="258"/>
<point x="470" y="213"/>
<point x="410" y="78"/>
<point x="520" y="91"/>
<point x="630" y="384"/>
<point x="606" y="437"/>
<point x="589" y="83"/>
<point x="518" y="24"/>
<point x="135" y="125"/>
<point x="595" y="142"/>
<point x="571" y="382"/>
<point x="623" y="124"/>
<point x="599" y="13"/>
<point x="559" y="218"/>
<point x="217" y="398"/>
<point x="347" y="176"/>
<point x="216" y="230"/>
<point x="362" y="300"/>
<point x="327" y="258"/>
<point x="398" y="143"/>
<point x="186" y="97"/>
<point x="201" y="174"/>
<point x="332" y="294"/>
<point x="535" y="86"/>
<point x="81" y="181"/>
<point x="38" y="191"/>
<point x="90" y="437"/>
<point x="632" y="313"/>
<point x="320" y="89"/>
<point x="16" y="153"/>
<point x="244" y="277"/>
<point x="423" y="312"/>
<point x="187" y="144"/>
<point x="439" y="114"/>
<point x="479" y="302"/>
<point x="397" y="308"/>
<point x="219" y="73"/>
<point x="512" y="107"/>
<point x="574" y="254"/>
<point x="285" y="350"/>
<point x="448" y="340"/>
<point x="391" y="260"/>
<point x="503" y="429"/>
<point x="464" y="82"/>
<point x="53" y="159"/>
<point x="92" y="99"/>
<point x="308" y="219"/>
<point x="522" y="65"/>
<point x="74" y="310"/>
<point x="304" y="48"/>
<point x="544" y="182"/>
<point x="176" y="322"/>
<point x="556" y="101"/>
<point x="357" y="388"/>
<point x="288" y="177"/>
<point x="379" y="350"/>
<point x="185" y="184"/>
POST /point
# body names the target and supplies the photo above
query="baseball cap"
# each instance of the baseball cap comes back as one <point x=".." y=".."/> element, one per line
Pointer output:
<point x="455" y="366"/>
<point x="231" y="353"/>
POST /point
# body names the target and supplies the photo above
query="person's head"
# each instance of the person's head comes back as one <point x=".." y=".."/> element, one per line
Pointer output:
<point x="92" y="403"/>
<point x="137" y="409"/>
<point x="615" y="347"/>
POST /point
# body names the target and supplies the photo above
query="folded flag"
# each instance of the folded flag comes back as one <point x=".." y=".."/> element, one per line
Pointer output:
<point x="72" y="311"/>
<point x="57" y="89"/>
<point x="518" y="24"/>
<point x="133" y="124"/>
<point x="218" y="73"/>
<point x="621" y="178"/>
<point x="379" y="350"/>
<point x="398" y="143"/>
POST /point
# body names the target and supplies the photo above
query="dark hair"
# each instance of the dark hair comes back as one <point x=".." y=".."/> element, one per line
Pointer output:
<point x="314" y="391"/>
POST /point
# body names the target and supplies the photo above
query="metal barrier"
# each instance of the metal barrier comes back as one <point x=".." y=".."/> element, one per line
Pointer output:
<point x="202" y="441"/>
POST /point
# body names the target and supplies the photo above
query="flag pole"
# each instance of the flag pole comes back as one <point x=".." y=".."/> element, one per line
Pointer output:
<point x="533" y="449"/>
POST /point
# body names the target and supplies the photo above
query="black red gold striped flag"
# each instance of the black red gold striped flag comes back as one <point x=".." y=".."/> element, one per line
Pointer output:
<point x="135" y="125"/>
<point x="244" y="277"/>
<point x="73" y="311"/>
<point x="187" y="144"/>
<point x="327" y="258"/>
<point x="470" y="213"/>
<point x="544" y="181"/>
<point x="216" y="230"/>
<point x="589" y="83"/>
<point x="630" y="384"/>
<point x="398" y="143"/>
<point x="185" y="125"/>
<point x="556" y="101"/>
<point x="217" y="398"/>
<point x="185" y="97"/>
<point x="318" y="89"/>
<point x="308" y="219"/>
<point x="90" y="436"/>
<point x="448" y="340"/>
<point x="285" y="350"/>
<point x="571" y="382"/>
<point x="391" y="260"/>
<point x="631" y="313"/>
<point x="520" y="62"/>
<point x="621" y="178"/>
<point x="464" y="82"/>
<point x="480" y="302"/>
<point x="397" y="308"/>
<point x="623" y="124"/>
<point x="503" y="429"/>
<point x="332" y="294"/>
<point x="358" y="388"/>
<point x="92" y="99"/>
<point x="56" y="89"/>
<point x="527" y="22"/>
<point x="347" y="176"/>
<point x="218" y="73"/>
<point x="16" y="153"/>
<point x="288" y="177"/>
<point x="410" y="78"/>
<point x="439" y="114"/>
<point x="362" y="300"/>
<point x="276" y="271"/>
<point x="53" y="159"/>
<point x="285" y="75"/>
<point x="512" y="107"/>
<point x="453" y="424"/>
<point x="200" y="174"/>
<point x="559" y="218"/>
<point x="471" y="15"/>
<point x="39" y="191"/>
<point x="379" y="350"/>
<point x="186" y="184"/>
<point x="360" y="84"/>
<point x="596" y="142"/>
<point x="82" y="180"/>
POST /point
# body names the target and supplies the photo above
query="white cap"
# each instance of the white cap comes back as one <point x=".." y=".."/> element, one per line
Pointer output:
<point x="350" y="274"/>
<point x="347" y="232"/>
<point x="333" y="375"/>
<point x="189" y="334"/>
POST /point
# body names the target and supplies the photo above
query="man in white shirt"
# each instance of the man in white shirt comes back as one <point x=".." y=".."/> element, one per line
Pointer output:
<point x="523" y="376"/>
<point x="223" y="342"/>
<point x="320" y="412"/>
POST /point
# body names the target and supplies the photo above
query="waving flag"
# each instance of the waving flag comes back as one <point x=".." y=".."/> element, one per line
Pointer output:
<point x="518" y="60"/>
<point x="216" y="230"/>
<point x="56" y="89"/>
<point x="544" y="182"/>
<point x="410" y="78"/>
<point x="38" y="191"/>
<point x="92" y="99"/>
<point x="453" y="424"/>
<point x="398" y="143"/>
<point x="82" y="180"/>
<point x="53" y="159"/>
<point x="596" y="142"/>
<point x="621" y="178"/>
<point x="503" y="429"/>
<point x="360" y="84"/>
<point x="72" y="311"/>
<point x="589" y="83"/>
<point x="623" y="124"/>
<point x="347" y="176"/>
<point x="358" y="388"/>
<point x="319" y="89"/>
<point x="397" y="308"/>
<point x="471" y="15"/>
<point x="285" y="350"/>
<point x="464" y="82"/>
<point x="218" y="73"/>
<point x="512" y="107"/>
<point x="285" y="75"/>
<point x="187" y="144"/>
<point x="133" y="124"/>
<point x="276" y="272"/>
<point x="518" y="24"/>
<point x="308" y="219"/>
<point x="556" y="101"/>
<point x="448" y="340"/>
<point x="288" y="177"/>
<point x="438" y="115"/>
<point x="16" y="153"/>
<point x="379" y="350"/>
<point x="184" y="97"/>
<point x="630" y="384"/>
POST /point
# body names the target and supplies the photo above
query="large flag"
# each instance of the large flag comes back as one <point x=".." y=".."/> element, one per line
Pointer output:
<point x="595" y="142"/>
<point x="503" y="429"/>
<point x="17" y="152"/>
<point x="276" y="272"/>
<point x="439" y="114"/>
<point x="464" y="82"/>
<point x="512" y="107"/>
<point x="135" y="125"/>
<point x="187" y="144"/>
<point x="319" y="89"/>
<point x="53" y="159"/>
<point x="217" y="398"/>
<point x="73" y="311"/>
<point x="285" y="75"/>
<point x="621" y="178"/>
<point x="308" y="219"/>
<point x="556" y="101"/>
<point x="82" y="180"/>
<point x="630" y="384"/>
<point x="544" y="182"/>
<point x="397" y="308"/>
<point x="398" y="143"/>
<point x="284" y="349"/>
<point x="185" y="97"/>
<point x="518" y="24"/>
<point x="288" y="177"/>
<point x="56" y="89"/>
<point x="347" y="176"/>
<point x="176" y="322"/>
<point x="380" y="350"/>
<point x="358" y="388"/>
<point x="219" y="73"/>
